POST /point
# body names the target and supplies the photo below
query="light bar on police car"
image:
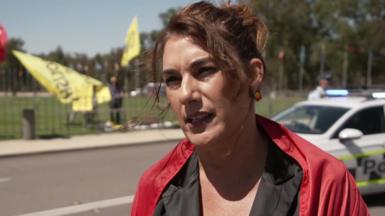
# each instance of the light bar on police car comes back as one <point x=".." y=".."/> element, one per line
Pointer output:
<point x="336" y="92"/>
<point x="378" y="95"/>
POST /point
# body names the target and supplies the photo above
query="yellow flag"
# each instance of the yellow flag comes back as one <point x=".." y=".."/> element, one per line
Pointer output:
<point x="84" y="101"/>
<point x="103" y="93"/>
<point x="132" y="42"/>
<point x="93" y="93"/>
<point x="65" y="83"/>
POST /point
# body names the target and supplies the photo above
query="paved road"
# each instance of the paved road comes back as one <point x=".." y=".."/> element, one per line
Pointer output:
<point x="42" y="182"/>
<point x="102" y="181"/>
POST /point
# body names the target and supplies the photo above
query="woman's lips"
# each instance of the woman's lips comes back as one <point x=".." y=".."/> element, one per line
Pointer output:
<point x="199" y="119"/>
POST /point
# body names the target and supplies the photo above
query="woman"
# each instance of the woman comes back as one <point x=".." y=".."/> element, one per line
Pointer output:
<point x="232" y="161"/>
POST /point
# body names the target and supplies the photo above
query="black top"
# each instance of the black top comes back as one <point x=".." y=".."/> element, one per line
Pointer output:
<point x="277" y="193"/>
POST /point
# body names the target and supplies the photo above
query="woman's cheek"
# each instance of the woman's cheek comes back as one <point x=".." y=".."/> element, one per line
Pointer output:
<point x="176" y="108"/>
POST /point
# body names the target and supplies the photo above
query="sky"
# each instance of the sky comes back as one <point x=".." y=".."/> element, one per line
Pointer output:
<point x="79" y="26"/>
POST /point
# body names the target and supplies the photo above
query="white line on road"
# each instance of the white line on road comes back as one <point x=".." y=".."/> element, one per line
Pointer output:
<point x="7" y="179"/>
<point x="83" y="207"/>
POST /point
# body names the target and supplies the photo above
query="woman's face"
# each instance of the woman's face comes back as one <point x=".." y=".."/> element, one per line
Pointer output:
<point x="210" y="106"/>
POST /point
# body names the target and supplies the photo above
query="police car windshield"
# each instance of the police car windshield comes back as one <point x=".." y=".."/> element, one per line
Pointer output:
<point x="310" y="119"/>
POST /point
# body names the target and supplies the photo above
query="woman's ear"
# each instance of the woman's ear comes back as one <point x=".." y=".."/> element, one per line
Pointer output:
<point x="257" y="69"/>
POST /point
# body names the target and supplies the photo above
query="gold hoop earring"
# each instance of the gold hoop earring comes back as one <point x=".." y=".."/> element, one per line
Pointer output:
<point x="258" y="95"/>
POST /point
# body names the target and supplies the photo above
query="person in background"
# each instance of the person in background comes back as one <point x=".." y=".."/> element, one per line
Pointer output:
<point x="320" y="90"/>
<point x="232" y="161"/>
<point x="116" y="100"/>
<point x="91" y="116"/>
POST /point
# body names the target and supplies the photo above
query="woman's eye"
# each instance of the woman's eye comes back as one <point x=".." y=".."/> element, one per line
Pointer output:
<point x="205" y="72"/>
<point x="172" y="81"/>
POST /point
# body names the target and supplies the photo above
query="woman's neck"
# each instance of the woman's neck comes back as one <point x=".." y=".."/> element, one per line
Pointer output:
<point x="237" y="162"/>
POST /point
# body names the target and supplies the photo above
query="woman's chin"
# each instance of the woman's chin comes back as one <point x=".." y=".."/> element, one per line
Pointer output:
<point x="201" y="138"/>
<point x="204" y="133"/>
<point x="196" y="138"/>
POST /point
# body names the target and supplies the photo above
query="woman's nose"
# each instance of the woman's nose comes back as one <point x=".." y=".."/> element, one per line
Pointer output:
<point x="189" y="91"/>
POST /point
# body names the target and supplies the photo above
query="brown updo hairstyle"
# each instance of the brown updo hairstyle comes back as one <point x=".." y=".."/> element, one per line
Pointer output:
<point x="230" y="33"/>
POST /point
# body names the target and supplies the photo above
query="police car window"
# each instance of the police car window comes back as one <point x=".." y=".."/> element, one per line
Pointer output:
<point x="310" y="119"/>
<point x="368" y="121"/>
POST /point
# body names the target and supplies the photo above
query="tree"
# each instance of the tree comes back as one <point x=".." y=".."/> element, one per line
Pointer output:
<point x="10" y="69"/>
<point x="166" y="16"/>
<point x="287" y="22"/>
<point x="58" y="56"/>
<point x="332" y="32"/>
<point x="11" y="61"/>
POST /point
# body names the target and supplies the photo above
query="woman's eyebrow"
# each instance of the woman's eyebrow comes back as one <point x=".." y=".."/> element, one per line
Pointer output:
<point x="169" y="72"/>
<point x="195" y="64"/>
<point x="200" y="62"/>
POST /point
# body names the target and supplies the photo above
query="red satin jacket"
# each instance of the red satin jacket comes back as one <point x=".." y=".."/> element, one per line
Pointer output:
<point x="327" y="188"/>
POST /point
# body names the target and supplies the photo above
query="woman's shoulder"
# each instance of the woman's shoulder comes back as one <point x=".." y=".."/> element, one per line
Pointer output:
<point x="327" y="186"/>
<point x="160" y="173"/>
<point x="312" y="159"/>
<point x="155" y="179"/>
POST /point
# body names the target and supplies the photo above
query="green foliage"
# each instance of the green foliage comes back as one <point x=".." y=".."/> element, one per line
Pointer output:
<point x="11" y="63"/>
<point x="327" y="29"/>
<point x="166" y="16"/>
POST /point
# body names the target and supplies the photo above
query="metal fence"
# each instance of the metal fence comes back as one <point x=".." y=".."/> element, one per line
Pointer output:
<point x="19" y="92"/>
<point x="53" y="119"/>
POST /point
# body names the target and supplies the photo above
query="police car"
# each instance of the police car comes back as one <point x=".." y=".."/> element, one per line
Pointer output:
<point x="352" y="128"/>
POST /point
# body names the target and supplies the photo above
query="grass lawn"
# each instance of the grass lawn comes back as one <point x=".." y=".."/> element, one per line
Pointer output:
<point x="53" y="118"/>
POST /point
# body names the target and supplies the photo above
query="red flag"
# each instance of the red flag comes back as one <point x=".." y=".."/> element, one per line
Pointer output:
<point x="3" y="41"/>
